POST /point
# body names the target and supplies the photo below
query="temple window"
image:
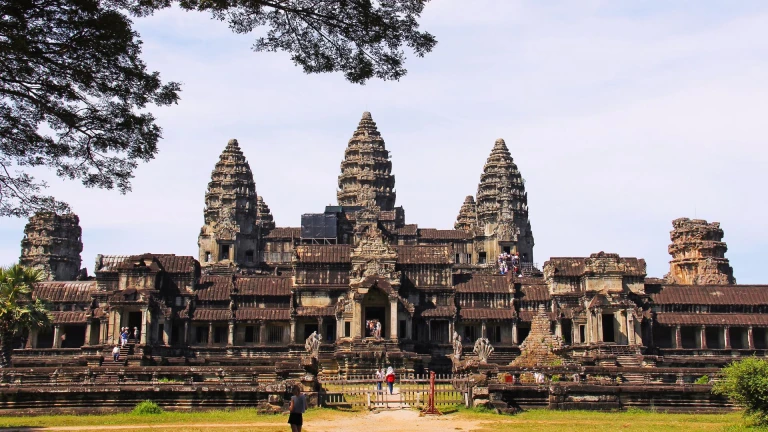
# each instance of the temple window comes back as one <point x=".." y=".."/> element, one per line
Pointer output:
<point x="207" y="256"/>
<point x="274" y="334"/>
<point x="250" y="334"/>
<point x="224" y="252"/>
<point x="481" y="258"/>
<point x="249" y="256"/>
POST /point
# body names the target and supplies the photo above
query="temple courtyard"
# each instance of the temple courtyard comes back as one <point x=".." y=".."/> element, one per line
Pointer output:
<point x="326" y="420"/>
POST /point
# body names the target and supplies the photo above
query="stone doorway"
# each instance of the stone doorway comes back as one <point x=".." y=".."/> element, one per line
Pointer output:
<point x="134" y="320"/>
<point x="609" y="329"/>
<point x="374" y="307"/>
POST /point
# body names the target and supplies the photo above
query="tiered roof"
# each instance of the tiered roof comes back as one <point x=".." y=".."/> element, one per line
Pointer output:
<point x="231" y="192"/>
<point x="366" y="170"/>
<point x="467" y="218"/>
<point x="501" y="185"/>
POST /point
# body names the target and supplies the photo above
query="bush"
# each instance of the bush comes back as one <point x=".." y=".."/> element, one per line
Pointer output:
<point x="704" y="379"/>
<point x="745" y="382"/>
<point x="147" y="408"/>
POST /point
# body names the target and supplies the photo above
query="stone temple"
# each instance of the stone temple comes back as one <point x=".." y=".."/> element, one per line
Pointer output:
<point x="379" y="290"/>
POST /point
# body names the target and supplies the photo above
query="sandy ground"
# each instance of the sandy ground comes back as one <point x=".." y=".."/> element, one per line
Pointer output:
<point x="391" y="421"/>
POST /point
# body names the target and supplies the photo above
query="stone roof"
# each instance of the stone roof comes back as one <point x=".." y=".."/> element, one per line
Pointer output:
<point x="407" y="230"/>
<point x="69" y="317"/>
<point x="204" y="314"/>
<point x="213" y="288"/>
<point x="107" y="263"/>
<point x="486" y="313"/>
<point x="324" y="253"/>
<point x="732" y="319"/>
<point x="752" y="295"/>
<point x="478" y="283"/>
<point x="528" y="315"/>
<point x="322" y="311"/>
<point x="284" y="232"/>
<point x="436" y="234"/>
<point x="55" y="292"/>
<point x="467" y="218"/>
<point x="439" y="311"/>
<point x="263" y="314"/>
<point x="534" y="292"/>
<point x="264" y="217"/>
<point x="579" y="266"/>
<point x="264" y="286"/>
<point x="176" y="264"/>
<point x="423" y="254"/>
<point x="231" y="182"/>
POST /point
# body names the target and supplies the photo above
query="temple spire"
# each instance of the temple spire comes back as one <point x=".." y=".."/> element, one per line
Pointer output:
<point x="366" y="171"/>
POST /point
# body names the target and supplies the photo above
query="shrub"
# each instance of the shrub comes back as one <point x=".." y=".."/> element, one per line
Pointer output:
<point x="704" y="379"/>
<point x="555" y="378"/>
<point x="146" y="408"/>
<point x="746" y="383"/>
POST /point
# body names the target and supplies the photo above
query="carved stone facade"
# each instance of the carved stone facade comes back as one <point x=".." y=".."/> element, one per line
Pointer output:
<point x="502" y="206"/>
<point x="52" y="243"/>
<point x="230" y="236"/>
<point x="540" y="347"/>
<point x="698" y="254"/>
<point x="366" y="172"/>
<point x="467" y="218"/>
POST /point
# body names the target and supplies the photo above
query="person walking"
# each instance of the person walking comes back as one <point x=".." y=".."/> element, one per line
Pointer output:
<point x="116" y="353"/>
<point x="390" y="379"/>
<point x="296" y="409"/>
<point x="379" y="378"/>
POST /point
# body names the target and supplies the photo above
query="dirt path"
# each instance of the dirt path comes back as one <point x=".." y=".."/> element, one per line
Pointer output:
<point x="391" y="421"/>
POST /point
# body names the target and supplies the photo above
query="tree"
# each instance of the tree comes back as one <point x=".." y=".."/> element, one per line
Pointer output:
<point x="18" y="311"/>
<point x="746" y="383"/>
<point x="73" y="87"/>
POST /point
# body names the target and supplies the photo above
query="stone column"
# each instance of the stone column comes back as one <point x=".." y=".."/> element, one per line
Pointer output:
<point x="357" y="319"/>
<point x="631" y="336"/>
<point x="559" y="328"/>
<point x="451" y="326"/>
<point x="678" y="338"/>
<point x="187" y="339"/>
<point x="87" y="333"/>
<point x="231" y="334"/>
<point x="393" y="320"/>
<point x="293" y="330"/>
<point x="599" y="326"/>
<point x="515" y="337"/>
<point x="144" y="326"/>
<point x="703" y="337"/>
<point x="57" y="336"/>
<point x="320" y="330"/>
<point x="104" y="331"/>
<point x="726" y="337"/>
<point x="429" y="330"/>
<point x="483" y="329"/>
<point x="32" y="339"/>
<point x="409" y="328"/>
<point x="286" y="334"/>
<point x="339" y="328"/>
<point x="262" y="332"/>
<point x="210" y="333"/>
<point x="750" y="338"/>
<point x="168" y="330"/>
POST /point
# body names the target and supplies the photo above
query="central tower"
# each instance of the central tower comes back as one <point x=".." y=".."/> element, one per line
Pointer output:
<point x="366" y="171"/>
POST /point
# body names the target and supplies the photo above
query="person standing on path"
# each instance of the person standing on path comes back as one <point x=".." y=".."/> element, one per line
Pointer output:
<point x="379" y="378"/>
<point x="390" y="378"/>
<point x="296" y="409"/>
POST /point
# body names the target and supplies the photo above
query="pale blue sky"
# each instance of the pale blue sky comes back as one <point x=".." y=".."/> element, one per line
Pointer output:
<point x="621" y="116"/>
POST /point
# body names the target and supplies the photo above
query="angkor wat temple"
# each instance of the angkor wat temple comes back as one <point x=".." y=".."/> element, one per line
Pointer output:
<point x="256" y="293"/>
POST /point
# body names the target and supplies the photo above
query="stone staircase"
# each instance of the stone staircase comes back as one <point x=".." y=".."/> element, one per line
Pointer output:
<point x="633" y="361"/>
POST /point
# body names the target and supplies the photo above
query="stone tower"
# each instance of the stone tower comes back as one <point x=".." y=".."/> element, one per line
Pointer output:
<point x="502" y="206"/>
<point x="264" y="219"/>
<point x="698" y="254"/>
<point x="366" y="172"/>
<point x="52" y="243"/>
<point x="229" y="236"/>
<point x="467" y="219"/>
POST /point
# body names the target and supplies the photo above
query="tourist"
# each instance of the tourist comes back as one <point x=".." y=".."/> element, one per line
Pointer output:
<point x="136" y="334"/>
<point x="379" y="378"/>
<point x="378" y="329"/>
<point x="390" y="377"/>
<point x="116" y="353"/>
<point x="124" y="337"/>
<point x="296" y="409"/>
<point x="63" y="340"/>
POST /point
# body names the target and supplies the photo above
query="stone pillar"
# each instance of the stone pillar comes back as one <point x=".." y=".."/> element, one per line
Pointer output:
<point x="559" y="328"/>
<point x="57" y="336"/>
<point x="451" y="326"/>
<point x="726" y="337"/>
<point x="393" y="320"/>
<point x="293" y="330"/>
<point x="599" y="326"/>
<point x="231" y="334"/>
<point x="515" y="337"/>
<point x="339" y="328"/>
<point x="483" y="329"/>
<point x="750" y="338"/>
<point x="104" y="332"/>
<point x="286" y="334"/>
<point x="262" y="332"/>
<point x="87" y="333"/>
<point x="357" y="319"/>
<point x="631" y="336"/>
<point x="144" y="326"/>
<point x="678" y="338"/>
<point x="320" y="330"/>
<point x="210" y="333"/>
<point x="187" y="339"/>
<point x="429" y="330"/>
<point x="168" y="330"/>
<point x="32" y="339"/>
<point x="703" y="337"/>
<point x="409" y="328"/>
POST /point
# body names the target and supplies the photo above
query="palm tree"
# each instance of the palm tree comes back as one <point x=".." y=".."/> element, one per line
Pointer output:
<point x="18" y="312"/>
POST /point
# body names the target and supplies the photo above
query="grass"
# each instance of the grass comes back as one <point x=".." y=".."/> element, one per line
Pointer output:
<point x="166" y="417"/>
<point x="631" y="420"/>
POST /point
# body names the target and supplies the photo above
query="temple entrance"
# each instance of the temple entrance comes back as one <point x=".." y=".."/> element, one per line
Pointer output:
<point x="134" y="321"/>
<point x="609" y="328"/>
<point x="374" y="307"/>
<point x="308" y="329"/>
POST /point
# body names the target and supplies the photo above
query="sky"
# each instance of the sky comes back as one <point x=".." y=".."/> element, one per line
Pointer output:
<point x="621" y="116"/>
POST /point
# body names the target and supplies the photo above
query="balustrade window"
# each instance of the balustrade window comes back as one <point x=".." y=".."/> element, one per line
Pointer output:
<point x="274" y="334"/>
